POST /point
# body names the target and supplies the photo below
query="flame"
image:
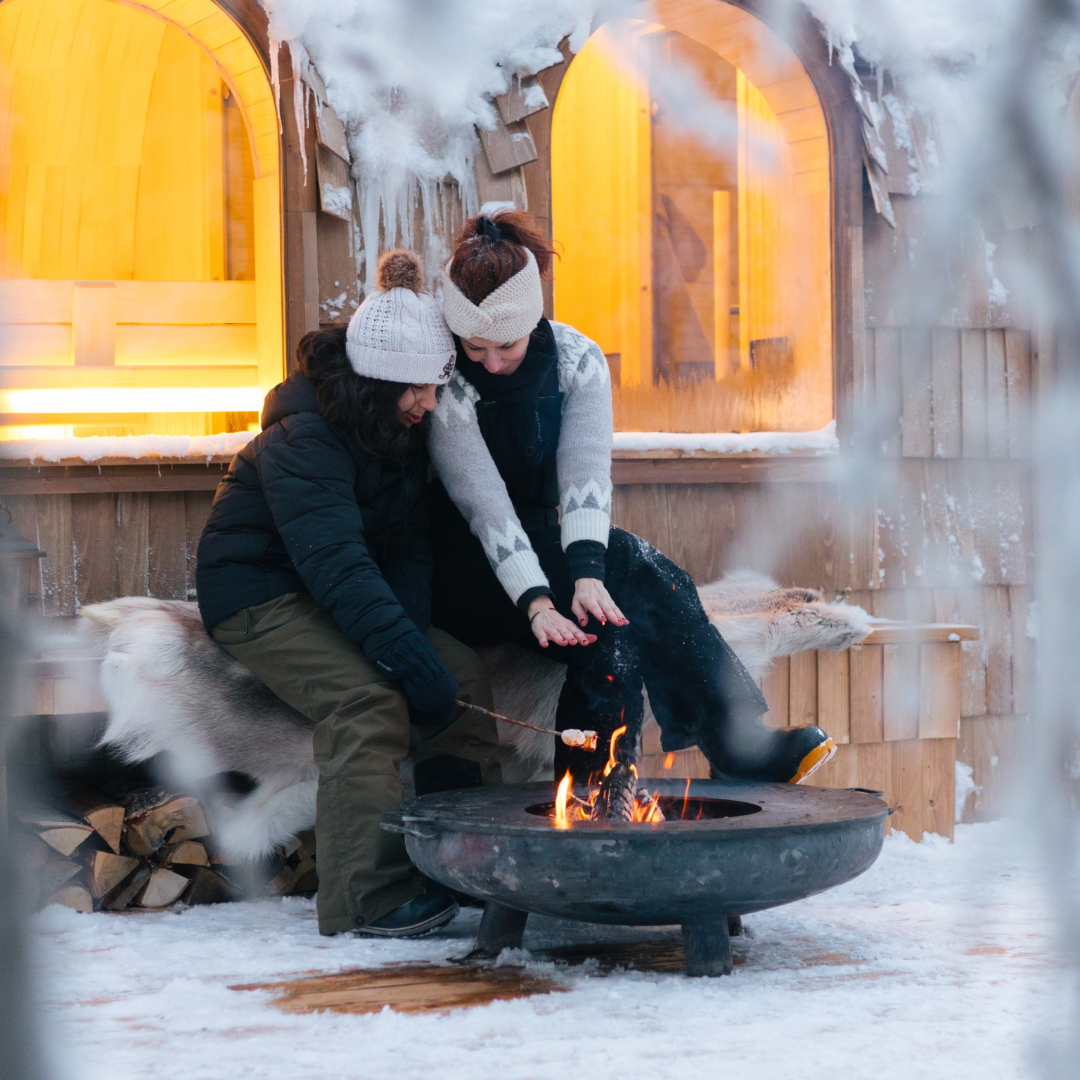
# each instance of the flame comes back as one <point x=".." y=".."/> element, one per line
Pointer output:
<point x="616" y="735"/>
<point x="685" y="799"/>
<point x="561" y="821"/>
<point x="669" y="760"/>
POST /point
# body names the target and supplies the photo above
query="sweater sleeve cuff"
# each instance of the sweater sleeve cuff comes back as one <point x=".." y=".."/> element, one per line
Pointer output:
<point x="586" y="559"/>
<point x="529" y="595"/>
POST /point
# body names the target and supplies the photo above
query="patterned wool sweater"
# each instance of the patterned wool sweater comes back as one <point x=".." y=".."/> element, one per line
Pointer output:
<point x="583" y="459"/>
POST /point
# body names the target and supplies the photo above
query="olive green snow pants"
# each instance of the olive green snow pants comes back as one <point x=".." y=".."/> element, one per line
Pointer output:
<point x="362" y="734"/>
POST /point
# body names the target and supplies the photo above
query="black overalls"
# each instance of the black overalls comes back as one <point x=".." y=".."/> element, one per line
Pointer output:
<point x="699" y="691"/>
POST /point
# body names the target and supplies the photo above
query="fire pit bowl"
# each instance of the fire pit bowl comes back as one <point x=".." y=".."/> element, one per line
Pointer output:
<point x="754" y="846"/>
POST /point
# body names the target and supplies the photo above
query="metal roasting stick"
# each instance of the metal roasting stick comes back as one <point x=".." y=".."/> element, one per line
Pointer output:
<point x="586" y="740"/>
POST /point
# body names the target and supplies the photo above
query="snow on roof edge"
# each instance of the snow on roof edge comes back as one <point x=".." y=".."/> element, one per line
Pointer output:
<point x="823" y="441"/>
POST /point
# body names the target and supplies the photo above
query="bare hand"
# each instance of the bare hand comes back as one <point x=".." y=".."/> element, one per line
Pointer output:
<point x="550" y="627"/>
<point x="591" y="598"/>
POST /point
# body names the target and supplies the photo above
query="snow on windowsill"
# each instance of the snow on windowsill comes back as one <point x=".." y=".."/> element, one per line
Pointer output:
<point x="149" y="448"/>
<point x="823" y="441"/>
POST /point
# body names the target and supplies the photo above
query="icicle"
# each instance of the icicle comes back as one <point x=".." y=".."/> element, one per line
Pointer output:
<point x="275" y="78"/>
<point x="299" y="101"/>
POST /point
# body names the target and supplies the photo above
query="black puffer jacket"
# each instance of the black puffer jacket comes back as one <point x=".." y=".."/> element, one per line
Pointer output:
<point x="304" y="509"/>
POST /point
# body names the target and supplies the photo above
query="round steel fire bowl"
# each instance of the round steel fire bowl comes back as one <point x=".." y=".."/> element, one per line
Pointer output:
<point x="754" y="846"/>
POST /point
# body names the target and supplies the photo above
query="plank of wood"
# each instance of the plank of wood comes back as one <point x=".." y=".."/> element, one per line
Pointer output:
<point x="105" y="871"/>
<point x="507" y="146"/>
<point x="149" y="376"/>
<point x="917" y="435"/>
<point x="168" y="555"/>
<point x="888" y="386"/>
<point x="900" y="681"/>
<point x="93" y="323"/>
<point x="895" y="633"/>
<point x="997" y="396"/>
<point x="994" y="747"/>
<point x="1023" y="647"/>
<point x="945" y="383"/>
<point x="998" y="631"/>
<point x="335" y="184"/>
<point x="133" y="543"/>
<point x="415" y="988"/>
<point x="330" y="130"/>
<point x="774" y="686"/>
<point x="54" y="537"/>
<point x="803" y="689"/>
<point x="939" y="690"/>
<point x="643" y="510"/>
<point x="833" y="690"/>
<point x="1018" y="392"/>
<point x="525" y="97"/>
<point x="973" y="392"/>
<point x="93" y="529"/>
<point x="867" y="719"/>
<point x="164" y="888"/>
<point x="939" y="786"/>
<point x="702" y="524"/>
<point x="196" y="512"/>
<point x="339" y="293"/>
<point x="53" y="874"/>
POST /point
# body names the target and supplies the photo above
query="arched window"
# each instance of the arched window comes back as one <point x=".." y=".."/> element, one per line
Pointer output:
<point x="140" y="266"/>
<point x="691" y="206"/>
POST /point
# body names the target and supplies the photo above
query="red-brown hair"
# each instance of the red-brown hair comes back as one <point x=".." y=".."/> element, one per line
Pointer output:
<point x="481" y="264"/>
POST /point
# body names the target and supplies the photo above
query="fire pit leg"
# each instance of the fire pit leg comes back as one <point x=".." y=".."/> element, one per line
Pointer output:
<point x="500" y="928"/>
<point x="708" y="947"/>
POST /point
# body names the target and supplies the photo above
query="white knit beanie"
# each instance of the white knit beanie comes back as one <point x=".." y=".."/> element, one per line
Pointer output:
<point x="398" y="334"/>
<point x="508" y="314"/>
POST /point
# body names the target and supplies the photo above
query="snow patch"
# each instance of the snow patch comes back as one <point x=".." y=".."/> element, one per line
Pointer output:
<point x="139" y="447"/>
<point x="823" y="441"/>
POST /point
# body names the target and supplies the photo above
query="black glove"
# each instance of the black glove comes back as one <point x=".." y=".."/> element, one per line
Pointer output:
<point x="426" y="680"/>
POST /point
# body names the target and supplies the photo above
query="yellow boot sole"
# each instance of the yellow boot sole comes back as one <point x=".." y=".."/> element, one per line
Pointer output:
<point x="813" y="761"/>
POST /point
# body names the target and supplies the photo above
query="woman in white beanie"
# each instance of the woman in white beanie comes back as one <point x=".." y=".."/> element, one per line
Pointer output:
<point x="314" y="571"/>
<point x="523" y="430"/>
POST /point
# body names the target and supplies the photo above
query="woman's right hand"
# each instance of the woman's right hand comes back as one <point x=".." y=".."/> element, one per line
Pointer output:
<point x="549" y="627"/>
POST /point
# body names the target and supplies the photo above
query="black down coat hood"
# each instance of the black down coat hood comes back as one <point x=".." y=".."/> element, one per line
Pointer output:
<point x="304" y="509"/>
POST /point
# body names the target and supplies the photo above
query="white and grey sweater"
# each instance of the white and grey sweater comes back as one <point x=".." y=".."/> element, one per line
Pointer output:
<point x="583" y="460"/>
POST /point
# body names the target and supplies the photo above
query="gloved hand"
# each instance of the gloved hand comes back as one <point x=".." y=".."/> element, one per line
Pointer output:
<point x="426" y="680"/>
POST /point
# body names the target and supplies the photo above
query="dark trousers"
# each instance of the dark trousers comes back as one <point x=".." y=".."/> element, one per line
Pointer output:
<point x="699" y="691"/>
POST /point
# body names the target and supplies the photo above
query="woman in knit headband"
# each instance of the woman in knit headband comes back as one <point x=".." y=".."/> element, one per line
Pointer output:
<point x="314" y="572"/>
<point x="524" y="428"/>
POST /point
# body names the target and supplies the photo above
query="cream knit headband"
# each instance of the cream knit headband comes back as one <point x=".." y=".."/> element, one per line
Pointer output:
<point x="508" y="314"/>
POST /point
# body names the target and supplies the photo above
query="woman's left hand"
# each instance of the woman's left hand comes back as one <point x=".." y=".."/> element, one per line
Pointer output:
<point x="591" y="598"/>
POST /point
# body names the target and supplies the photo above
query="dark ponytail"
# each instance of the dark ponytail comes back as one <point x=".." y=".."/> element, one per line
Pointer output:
<point x="366" y="408"/>
<point x="491" y="250"/>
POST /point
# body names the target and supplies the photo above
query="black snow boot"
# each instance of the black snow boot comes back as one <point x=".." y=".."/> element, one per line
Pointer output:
<point x="783" y="756"/>
<point x="429" y="910"/>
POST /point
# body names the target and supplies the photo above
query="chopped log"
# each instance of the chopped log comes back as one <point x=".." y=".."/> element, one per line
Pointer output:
<point x="307" y="878"/>
<point x="104" y="871"/>
<point x="147" y="831"/>
<point x="208" y="888"/>
<point x="616" y="799"/>
<point x="61" y="834"/>
<point x="282" y="882"/>
<point x="72" y="896"/>
<point x="306" y="850"/>
<point x="102" y="813"/>
<point x="163" y="888"/>
<point x="121" y="897"/>
<point x="186" y="853"/>
<point x="54" y="873"/>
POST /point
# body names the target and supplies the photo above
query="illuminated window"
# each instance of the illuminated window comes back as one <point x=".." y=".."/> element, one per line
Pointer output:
<point x="140" y="270"/>
<point x="699" y="262"/>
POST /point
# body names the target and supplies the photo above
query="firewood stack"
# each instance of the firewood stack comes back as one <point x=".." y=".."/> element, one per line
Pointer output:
<point x="148" y="850"/>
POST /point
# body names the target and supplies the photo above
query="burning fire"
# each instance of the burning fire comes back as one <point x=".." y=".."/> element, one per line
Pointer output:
<point x="569" y="807"/>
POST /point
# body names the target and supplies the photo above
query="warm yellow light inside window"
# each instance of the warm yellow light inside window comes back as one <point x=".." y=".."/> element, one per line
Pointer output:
<point x="139" y="217"/>
<point x="701" y="267"/>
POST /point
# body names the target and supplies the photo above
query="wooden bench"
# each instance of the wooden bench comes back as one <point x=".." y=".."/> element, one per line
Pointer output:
<point x="891" y="703"/>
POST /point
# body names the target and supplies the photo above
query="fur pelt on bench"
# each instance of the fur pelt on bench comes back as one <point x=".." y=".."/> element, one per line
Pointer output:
<point x="172" y="691"/>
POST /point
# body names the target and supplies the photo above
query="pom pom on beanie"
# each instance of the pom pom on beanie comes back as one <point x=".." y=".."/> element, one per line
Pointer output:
<point x="400" y="269"/>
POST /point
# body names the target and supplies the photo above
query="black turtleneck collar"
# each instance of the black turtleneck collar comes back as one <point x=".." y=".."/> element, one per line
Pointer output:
<point x="522" y="384"/>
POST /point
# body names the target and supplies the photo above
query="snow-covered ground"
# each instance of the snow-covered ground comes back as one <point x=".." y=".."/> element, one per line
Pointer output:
<point x="938" y="962"/>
